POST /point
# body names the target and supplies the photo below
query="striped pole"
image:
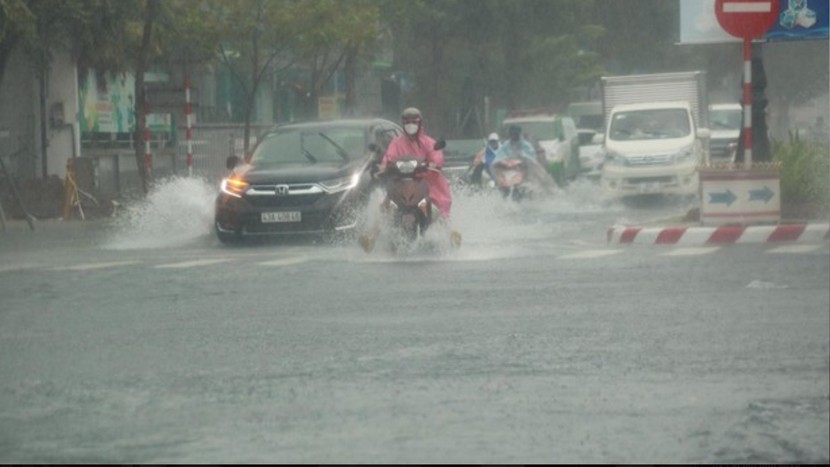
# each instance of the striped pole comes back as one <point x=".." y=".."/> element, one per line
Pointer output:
<point x="188" y="117"/>
<point x="747" y="103"/>
<point x="148" y="156"/>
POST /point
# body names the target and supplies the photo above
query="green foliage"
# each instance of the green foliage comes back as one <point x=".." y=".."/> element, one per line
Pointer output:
<point x="805" y="171"/>
<point x="15" y="20"/>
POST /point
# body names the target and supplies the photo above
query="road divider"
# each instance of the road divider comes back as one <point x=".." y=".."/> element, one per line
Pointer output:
<point x="687" y="235"/>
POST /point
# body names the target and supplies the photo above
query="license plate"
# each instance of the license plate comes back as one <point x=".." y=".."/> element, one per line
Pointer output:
<point x="281" y="216"/>
<point x="653" y="187"/>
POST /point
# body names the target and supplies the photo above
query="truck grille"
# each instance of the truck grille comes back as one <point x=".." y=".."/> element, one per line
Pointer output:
<point x="638" y="180"/>
<point x="656" y="159"/>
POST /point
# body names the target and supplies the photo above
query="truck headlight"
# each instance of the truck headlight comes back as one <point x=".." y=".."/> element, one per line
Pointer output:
<point x="684" y="155"/>
<point x="613" y="158"/>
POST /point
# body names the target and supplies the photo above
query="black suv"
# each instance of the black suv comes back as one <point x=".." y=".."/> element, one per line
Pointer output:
<point x="303" y="178"/>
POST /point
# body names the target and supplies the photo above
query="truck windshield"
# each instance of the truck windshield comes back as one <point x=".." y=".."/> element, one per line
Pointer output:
<point x="650" y="124"/>
<point x="725" y="119"/>
<point x="535" y="131"/>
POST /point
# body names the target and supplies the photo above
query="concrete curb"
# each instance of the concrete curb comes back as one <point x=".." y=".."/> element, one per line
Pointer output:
<point x="788" y="233"/>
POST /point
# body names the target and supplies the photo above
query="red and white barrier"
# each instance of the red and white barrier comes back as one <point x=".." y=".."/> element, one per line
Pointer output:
<point x="802" y="233"/>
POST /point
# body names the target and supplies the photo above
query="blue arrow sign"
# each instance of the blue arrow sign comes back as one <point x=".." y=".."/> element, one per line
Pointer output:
<point x="725" y="197"/>
<point x="765" y="194"/>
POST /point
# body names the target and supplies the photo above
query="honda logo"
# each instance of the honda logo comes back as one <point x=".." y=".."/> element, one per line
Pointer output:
<point x="282" y="190"/>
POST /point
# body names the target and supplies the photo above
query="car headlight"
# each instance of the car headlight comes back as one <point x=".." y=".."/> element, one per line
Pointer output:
<point x="612" y="158"/>
<point x="684" y="155"/>
<point x="341" y="184"/>
<point x="234" y="187"/>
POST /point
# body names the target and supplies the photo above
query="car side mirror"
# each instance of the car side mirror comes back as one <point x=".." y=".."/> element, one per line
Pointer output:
<point x="439" y="145"/>
<point x="598" y="138"/>
<point x="232" y="162"/>
<point x="704" y="133"/>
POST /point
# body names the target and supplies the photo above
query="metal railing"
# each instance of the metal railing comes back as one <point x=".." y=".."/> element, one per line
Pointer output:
<point x="115" y="172"/>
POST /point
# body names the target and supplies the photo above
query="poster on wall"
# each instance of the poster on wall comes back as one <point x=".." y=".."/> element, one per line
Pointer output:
<point x="107" y="103"/>
<point x="797" y="20"/>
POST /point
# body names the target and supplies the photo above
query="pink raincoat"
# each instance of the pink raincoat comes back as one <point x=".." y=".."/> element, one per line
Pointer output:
<point x="421" y="147"/>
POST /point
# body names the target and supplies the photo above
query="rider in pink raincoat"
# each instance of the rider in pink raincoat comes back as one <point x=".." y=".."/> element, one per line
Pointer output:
<point x="414" y="142"/>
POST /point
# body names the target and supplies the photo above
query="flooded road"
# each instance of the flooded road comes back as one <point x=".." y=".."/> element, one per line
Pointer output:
<point x="144" y="340"/>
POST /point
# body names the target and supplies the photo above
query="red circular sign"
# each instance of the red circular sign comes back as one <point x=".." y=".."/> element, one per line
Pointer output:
<point x="746" y="19"/>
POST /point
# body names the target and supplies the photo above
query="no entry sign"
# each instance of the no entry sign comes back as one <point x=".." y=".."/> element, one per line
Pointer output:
<point x="746" y="19"/>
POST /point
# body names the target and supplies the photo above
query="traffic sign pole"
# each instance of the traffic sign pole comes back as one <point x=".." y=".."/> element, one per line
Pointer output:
<point x="747" y="102"/>
<point x="747" y="19"/>
<point x="749" y="193"/>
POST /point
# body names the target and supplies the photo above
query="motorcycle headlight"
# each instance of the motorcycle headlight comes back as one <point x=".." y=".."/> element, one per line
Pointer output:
<point x="684" y="155"/>
<point x="341" y="184"/>
<point x="234" y="187"/>
<point x="406" y="167"/>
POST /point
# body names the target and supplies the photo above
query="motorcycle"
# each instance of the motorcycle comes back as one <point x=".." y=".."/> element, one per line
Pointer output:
<point x="408" y="205"/>
<point x="510" y="176"/>
<point x="407" y="197"/>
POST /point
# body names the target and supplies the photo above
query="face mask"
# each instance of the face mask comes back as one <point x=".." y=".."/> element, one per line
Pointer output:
<point x="411" y="128"/>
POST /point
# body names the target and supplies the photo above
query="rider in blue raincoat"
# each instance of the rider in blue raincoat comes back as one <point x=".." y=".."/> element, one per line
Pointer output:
<point x="517" y="146"/>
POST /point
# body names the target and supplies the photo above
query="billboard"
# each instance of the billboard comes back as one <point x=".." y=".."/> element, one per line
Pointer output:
<point x="797" y="20"/>
<point x="107" y="105"/>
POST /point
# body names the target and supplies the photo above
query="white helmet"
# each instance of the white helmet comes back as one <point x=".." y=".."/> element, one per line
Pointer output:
<point x="493" y="137"/>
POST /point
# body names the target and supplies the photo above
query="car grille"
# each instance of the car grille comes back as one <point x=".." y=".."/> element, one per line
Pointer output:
<point x="298" y="195"/>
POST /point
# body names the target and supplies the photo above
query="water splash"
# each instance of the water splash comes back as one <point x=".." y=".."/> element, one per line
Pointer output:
<point x="177" y="212"/>
<point x="493" y="228"/>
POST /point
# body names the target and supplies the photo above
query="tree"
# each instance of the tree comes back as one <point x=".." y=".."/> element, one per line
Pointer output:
<point x="517" y="53"/>
<point x="17" y="23"/>
<point x="335" y="34"/>
<point x="132" y="35"/>
<point x="254" y="36"/>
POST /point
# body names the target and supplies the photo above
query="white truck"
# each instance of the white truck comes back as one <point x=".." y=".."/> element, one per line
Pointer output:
<point x="655" y="134"/>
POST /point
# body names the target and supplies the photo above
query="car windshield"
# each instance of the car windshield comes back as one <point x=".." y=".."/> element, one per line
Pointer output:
<point x="725" y="119"/>
<point x="650" y="124"/>
<point x="311" y="146"/>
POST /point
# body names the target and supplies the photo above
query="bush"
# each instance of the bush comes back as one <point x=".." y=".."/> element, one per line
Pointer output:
<point x="805" y="172"/>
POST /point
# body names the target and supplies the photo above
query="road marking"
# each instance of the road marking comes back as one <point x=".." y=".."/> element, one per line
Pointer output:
<point x="284" y="261"/>
<point x="194" y="263"/>
<point x="692" y="251"/>
<point x="21" y="267"/>
<point x="591" y="254"/>
<point x="90" y="266"/>
<point x="794" y="249"/>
